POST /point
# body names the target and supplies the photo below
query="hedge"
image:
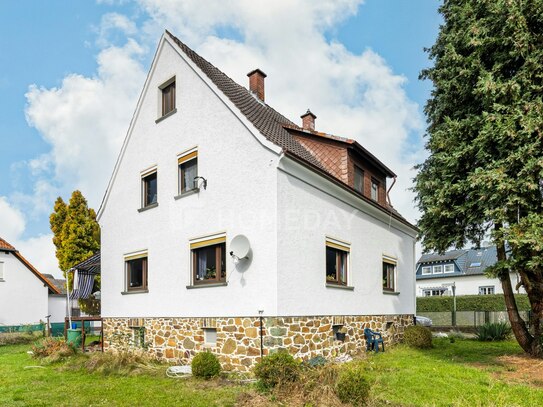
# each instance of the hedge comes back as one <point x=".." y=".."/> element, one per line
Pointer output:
<point x="470" y="303"/>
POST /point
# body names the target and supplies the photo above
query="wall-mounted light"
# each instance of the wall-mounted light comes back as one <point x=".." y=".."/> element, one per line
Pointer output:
<point x="204" y="182"/>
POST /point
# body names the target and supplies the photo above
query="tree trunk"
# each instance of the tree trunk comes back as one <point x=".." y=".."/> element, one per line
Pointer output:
<point x="518" y="325"/>
<point x="534" y="289"/>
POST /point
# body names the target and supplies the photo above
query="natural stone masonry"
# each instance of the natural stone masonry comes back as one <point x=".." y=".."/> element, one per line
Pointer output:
<point x="177" y="340"/>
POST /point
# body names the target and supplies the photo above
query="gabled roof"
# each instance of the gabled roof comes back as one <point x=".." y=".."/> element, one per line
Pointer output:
<point x="58" y="282"/>
<point x="469" y="261"/>
<point x="266" y="119"/>
<point x="5" y="246"/>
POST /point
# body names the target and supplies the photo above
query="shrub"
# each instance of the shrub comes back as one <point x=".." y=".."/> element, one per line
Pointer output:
<point x="279" y="367"/>
<point x="120" y="363"/>
<point x="352" y="386"/>
<point x="18" y="338"/>
<point x="205" y="365"/>
<point x="498" y="331"/>
<point x="52" y="349"/>
<point x="418" y="337"/>
<point x="470" y="303"/>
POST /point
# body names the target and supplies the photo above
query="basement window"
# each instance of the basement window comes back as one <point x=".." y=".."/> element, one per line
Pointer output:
<point x="210" y="336"/>
<point x="138" y="337"/>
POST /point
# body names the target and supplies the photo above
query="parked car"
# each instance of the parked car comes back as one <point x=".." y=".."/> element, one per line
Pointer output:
<point x="423" y="321"/>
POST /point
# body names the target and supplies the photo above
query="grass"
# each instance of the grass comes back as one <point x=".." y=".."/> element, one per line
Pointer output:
<point x="466" y="372"/>
<point x="463" y="373"/>
<point x="51" y="385"/>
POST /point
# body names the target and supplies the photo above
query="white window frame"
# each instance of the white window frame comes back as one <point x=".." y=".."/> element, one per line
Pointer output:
<point x="210" y="336"/>
<point x="485" y="290"/>
<point x="449" y="267"/>
<point x="428" y="268"/>
<point x="438" y="267"/>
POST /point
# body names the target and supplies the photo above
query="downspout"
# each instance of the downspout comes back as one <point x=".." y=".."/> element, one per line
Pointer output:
<point x="389" y="189"/>
<point x="261" y="322"/>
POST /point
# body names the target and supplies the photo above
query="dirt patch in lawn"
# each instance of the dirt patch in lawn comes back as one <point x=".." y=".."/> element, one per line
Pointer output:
<point x="521" y="369"/>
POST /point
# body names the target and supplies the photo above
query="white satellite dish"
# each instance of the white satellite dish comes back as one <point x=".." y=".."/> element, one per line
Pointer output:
<point x="240" y="247"/>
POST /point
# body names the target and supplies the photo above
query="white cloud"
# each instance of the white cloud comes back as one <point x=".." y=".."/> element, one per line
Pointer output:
<point x="111" y="23"/>
<point x="354" y="95"/>
<point x="85" y="120"/>
<point x="39" y="250"/>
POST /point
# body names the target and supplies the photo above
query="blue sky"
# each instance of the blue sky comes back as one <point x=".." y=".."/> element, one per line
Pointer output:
<point x="56" y="48"/>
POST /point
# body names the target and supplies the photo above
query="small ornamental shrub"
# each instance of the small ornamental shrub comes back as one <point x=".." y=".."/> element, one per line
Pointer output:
<point x="498" y="331"/>
<point x="277" y="368"/>
<point x="205" y="365"/>
<point x="417" y="336"/>
<point x="18" y="338"/>
<point x="352" y="386"/>
<point x="52" y="349"/>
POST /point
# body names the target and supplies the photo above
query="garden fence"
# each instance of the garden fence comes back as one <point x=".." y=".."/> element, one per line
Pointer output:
<point x="469" y="318"/>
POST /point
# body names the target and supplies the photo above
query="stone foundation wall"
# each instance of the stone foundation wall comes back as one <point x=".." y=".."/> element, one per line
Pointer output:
<point x="237" y="344"/>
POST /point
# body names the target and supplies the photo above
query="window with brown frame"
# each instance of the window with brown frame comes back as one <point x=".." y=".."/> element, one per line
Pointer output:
<point x="359" y="179"/>
<point x="337" y="259"/>
<point x="168" y="98"/>
<point x="188" y="170"/>
<point x="209" y="262"/>
<point x="389" y="276"/>
<point x="374" y="190"/>
<point x="149" y="189"/>
<point x="136" y="274"/>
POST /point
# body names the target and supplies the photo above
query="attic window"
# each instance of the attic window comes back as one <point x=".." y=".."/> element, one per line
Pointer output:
<point x="475" y="264"/>
<point x="449" y="268"/>
<point x="149" y="189"/>
<point x="427" y="270"/>
<point x="168" y="96"/>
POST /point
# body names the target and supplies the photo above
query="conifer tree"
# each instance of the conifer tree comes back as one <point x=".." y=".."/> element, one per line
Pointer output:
<point x="484" y="173"/>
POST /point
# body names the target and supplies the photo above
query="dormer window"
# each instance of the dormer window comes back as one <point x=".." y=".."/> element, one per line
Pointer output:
<point x="358" y="179"/>
<point x="374" y="190"/>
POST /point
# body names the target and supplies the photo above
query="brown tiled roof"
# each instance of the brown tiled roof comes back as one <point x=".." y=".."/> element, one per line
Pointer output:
<point x="267" y="120"/>
<point x="8" y="247"/>
<point x="5" y="245"/>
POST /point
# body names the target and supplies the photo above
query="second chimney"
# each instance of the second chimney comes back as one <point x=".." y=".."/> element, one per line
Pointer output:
<point x="308" y="120"/>
<point x="256" y="83"/>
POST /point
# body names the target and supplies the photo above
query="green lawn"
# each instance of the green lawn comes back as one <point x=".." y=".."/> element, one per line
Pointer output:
<point x="464" y="373"/>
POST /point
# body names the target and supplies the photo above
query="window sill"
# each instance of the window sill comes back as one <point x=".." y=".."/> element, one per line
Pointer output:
<point x="145" y="208"/>
<point x="222" y="284"/>
<point x="391" y="292"/>
<point x="135" y="292"/>
<point x="187" y="193"/>
<point x="341" y="287"/>
<point x="170" y="113"/>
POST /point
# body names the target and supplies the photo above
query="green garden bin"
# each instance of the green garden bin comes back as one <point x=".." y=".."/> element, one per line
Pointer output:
<point x="74" y="337"/>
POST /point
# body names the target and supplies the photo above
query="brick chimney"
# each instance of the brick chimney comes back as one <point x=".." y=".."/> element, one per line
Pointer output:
<point x="256" y="83"/>
<point x="308" y="120"/>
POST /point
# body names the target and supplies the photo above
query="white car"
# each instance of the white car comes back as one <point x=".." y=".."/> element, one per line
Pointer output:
<point x="423" y="321"/>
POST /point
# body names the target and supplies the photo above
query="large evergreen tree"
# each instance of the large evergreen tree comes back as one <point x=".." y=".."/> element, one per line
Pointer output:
<point x="76" y="236"/>
<point x="484" y="173"/>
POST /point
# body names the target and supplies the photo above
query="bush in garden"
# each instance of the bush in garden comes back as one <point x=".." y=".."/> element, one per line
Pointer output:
<point x="498" y="331"/>
<point x="279" y="367"/>
<point x="417" y="336"/>
<point x="205" y="365"/>
<point x="352" y="386"/>
<point x="53" y="349"/>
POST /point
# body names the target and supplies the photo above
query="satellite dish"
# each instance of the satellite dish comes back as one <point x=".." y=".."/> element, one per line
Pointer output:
<point x="240" y="247"/>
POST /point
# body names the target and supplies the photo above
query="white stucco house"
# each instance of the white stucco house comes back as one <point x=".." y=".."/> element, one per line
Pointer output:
<point x="206" y="160"/>
<point x="465" y="269"/>
<point x="26" y="295"/>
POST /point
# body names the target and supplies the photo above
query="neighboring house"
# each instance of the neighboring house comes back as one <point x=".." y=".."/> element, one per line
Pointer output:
<point x="465" y="268"/>
<point x="26" y="295"/>
<point x="206" y="160"/>
<point x="57" y="302"/>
